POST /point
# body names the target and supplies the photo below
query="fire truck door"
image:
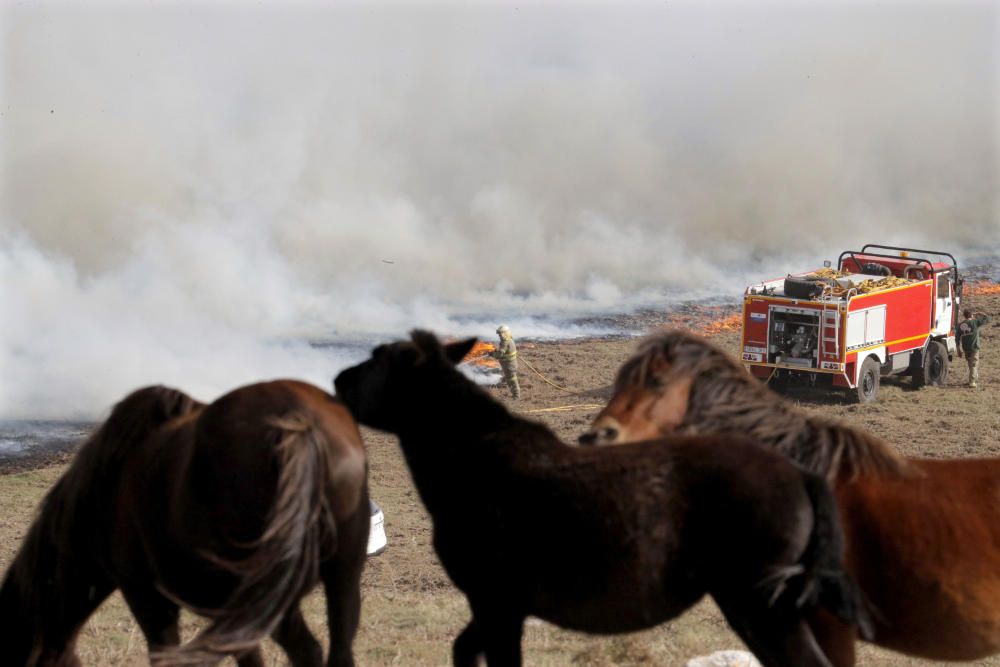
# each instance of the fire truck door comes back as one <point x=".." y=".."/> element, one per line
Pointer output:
<point x="945" y="303"/>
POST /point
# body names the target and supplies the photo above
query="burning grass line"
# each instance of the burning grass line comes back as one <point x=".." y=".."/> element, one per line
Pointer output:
<point x="981" y="288"/>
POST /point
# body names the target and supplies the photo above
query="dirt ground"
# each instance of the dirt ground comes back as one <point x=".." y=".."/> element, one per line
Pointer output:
<point x="412" y="612"/>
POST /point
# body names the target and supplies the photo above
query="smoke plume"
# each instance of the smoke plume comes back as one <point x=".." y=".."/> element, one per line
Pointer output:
<point x="193" y="193"/>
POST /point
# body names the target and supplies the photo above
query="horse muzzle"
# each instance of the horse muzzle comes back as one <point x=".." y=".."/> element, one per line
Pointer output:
<point x="603" y="432"/>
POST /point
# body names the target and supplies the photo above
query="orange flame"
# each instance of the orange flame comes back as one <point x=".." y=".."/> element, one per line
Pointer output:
<point x="731" y="323"/>
<point x="479" y="355"/>
<point x="981" y="287"/>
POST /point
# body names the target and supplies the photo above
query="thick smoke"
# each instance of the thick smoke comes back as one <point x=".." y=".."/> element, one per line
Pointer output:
<point x="191" y="193"/>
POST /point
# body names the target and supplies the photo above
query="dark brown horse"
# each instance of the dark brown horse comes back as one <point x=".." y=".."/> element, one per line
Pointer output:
<point x="923" y="536"/>
<point x="234" y="510"/>
<point x="601" y="541"/>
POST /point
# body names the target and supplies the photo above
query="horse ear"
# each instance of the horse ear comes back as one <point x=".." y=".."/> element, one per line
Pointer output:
<point x="455" y="352"/>
<point x="426" y="342"/>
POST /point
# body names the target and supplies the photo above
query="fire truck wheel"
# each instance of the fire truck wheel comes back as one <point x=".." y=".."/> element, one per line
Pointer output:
<point x="868" y="381"/>
<point x="778" y="384"/>
<point x="935" y="364"/>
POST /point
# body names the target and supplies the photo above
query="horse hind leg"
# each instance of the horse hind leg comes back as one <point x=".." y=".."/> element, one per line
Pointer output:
<point x="251" y="658"/>
<point x="158" y="618"/>
<point x="298" y="642"/>
<point x="341" y="576"/>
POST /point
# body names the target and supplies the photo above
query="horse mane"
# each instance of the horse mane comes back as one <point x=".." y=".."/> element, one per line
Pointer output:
<point x="88" y="483"/>
<point x="724" y="397"/>
<point x="97" y="465"/>
<point x="81" y="499"/>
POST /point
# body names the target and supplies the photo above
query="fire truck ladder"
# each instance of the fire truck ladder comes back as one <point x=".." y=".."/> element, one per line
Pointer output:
<point x="829" y="328"/>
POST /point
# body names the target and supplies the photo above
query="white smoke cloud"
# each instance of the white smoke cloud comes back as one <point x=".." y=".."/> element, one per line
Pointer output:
<point x="192" y="192"/>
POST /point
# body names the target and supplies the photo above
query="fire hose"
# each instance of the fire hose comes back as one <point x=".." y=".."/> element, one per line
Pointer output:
<point x="565" y="408"/>
<point x="480" y="352"/>
<point x="539" y="374"/>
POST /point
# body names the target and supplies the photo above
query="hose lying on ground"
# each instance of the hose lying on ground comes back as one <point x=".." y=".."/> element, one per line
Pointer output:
<point x="539" y="374"/>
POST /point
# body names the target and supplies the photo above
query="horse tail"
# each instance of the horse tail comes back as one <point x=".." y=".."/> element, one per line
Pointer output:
<point x="825" y="582"/>
<point x="284" y="562"/>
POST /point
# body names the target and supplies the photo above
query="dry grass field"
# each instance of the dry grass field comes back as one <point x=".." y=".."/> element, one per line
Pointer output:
<point x="411" y="612"/>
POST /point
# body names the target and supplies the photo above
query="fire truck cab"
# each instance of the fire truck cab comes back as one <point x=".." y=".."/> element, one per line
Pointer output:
<point x="883" y="311"/>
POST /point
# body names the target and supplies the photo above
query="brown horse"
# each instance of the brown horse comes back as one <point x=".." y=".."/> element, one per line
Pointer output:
<point x="923" y="536"/>
<point x="601" y="542"/>
<point x="234" y="510"/>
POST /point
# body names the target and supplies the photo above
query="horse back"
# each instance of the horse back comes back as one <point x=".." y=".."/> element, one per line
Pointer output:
<point x="760" y="496"/>
<point x="239" y="442"/>
<point x="682" y="501"/>
<point x="215" y="482"/>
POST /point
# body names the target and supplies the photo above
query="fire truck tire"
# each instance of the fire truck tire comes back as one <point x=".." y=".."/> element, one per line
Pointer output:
<point x="868" y="382"/>
<point x="802" y="288"/>
<point x="935" y="366"/>
<point x="778" y="384"/>
<point x="917" y="374"/>
<point x="875" y="269"/>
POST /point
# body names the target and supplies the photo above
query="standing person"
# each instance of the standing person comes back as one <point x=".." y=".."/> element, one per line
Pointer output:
<point x="506" y="354"/>
<point x="968" y="338"/>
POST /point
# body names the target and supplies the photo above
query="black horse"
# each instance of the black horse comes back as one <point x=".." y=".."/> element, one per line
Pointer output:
<point x="234" y="510"/>
<point x="602" y="540"/>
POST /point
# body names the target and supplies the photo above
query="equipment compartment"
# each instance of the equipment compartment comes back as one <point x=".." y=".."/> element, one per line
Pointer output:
<point x="793" y="337"/>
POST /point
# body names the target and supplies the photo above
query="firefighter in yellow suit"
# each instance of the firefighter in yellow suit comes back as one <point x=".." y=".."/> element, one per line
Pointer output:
<point x="506" y="354"/>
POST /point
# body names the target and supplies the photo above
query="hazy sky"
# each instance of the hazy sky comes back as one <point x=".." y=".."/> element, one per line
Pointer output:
<point x="191" y="190"/>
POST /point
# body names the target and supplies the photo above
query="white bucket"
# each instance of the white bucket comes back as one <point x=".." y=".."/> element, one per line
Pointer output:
<point x="376" y="536"/>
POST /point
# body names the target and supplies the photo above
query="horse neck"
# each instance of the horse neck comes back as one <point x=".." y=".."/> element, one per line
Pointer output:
<point x="453" y="407"/>
<point x="55" y="581"/>
<point x="57" y="578"/>
<point x="452" y="433"/>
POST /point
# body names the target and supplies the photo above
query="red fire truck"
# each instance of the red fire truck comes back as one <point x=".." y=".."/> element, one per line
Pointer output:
<point x="883" y="311"/>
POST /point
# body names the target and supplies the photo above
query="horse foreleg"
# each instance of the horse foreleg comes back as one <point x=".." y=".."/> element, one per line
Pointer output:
<point x="294" y="636"/>
<point x="501" y="636"/>
<point x="62" y="627"/>
<point x="783" y="645"/>
<point x="778" y="637"/>
<point x="835" y="637"/>
<point x="468" y="647"/>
